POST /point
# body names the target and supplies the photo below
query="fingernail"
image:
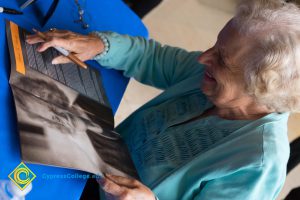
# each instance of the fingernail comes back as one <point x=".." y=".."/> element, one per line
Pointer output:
<point x="54" y="62"/>
<point x="101" y="181"/>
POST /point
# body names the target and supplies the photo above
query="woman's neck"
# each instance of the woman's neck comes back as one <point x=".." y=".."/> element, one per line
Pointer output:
<point x="250" y="112"/>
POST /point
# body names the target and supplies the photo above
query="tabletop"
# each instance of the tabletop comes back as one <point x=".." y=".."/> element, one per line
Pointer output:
<point x="103" y="15"/>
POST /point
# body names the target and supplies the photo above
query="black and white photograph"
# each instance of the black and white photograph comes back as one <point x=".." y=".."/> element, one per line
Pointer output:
<point x="64" y="118"/>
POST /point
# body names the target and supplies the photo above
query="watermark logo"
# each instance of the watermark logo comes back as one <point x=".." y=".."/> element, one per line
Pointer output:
<point x="22" y="176"/>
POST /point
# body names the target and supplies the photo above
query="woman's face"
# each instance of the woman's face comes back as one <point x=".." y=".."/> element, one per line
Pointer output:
<point x="223" y="81"/>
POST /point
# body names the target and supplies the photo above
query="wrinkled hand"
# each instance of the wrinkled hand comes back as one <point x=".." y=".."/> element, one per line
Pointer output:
<point x="122" y="188"/>
<point x="84" y="47"/>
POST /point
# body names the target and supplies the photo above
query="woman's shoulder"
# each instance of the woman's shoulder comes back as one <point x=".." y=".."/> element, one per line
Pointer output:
<point x="268" y="139"/>
<point x="258" y="143"/>
<point x="276" y="148"/>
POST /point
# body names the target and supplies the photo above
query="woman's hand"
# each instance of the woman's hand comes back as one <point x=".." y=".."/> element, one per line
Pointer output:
<point x="84" y="47"/>
<point x="122" y="188"/>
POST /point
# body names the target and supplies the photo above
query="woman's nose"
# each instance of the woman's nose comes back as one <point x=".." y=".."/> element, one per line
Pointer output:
<point x="205" y="58"/>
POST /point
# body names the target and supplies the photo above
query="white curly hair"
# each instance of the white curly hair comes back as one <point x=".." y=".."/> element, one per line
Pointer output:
<point x="272" y="68"/>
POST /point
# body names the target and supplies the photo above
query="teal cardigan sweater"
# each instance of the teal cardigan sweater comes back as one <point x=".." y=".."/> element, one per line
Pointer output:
<point x="206" y="159"/>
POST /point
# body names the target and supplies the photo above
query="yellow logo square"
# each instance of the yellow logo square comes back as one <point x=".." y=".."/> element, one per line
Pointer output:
<point x="22" y="176"/>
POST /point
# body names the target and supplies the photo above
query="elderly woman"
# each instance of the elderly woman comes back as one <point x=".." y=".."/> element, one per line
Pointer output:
<point x="219" y="129"/>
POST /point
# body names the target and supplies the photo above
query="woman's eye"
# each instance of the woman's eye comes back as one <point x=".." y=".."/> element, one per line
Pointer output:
<point x="221" y="61"/>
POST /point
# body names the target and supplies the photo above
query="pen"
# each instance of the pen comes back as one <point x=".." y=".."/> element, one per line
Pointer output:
<point x="63" y="51"/>
<point x="26" y="3"/>
<point x="10" y="11"/>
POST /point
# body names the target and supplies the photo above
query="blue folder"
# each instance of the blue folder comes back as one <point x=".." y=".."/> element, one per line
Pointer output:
<point x="112" y="15"/>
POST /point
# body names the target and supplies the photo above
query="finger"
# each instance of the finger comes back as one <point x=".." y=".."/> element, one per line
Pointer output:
<point x="33" y="39"/>
<point x="58" y="33"/>
<point x="128" y="182"/>
<point x="56" y="42"/>
<point x="111" y="187"/>
<point x="61" y="60"/>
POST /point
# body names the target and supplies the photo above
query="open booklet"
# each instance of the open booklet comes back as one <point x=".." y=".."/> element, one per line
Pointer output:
<point x="64" y="118"/>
